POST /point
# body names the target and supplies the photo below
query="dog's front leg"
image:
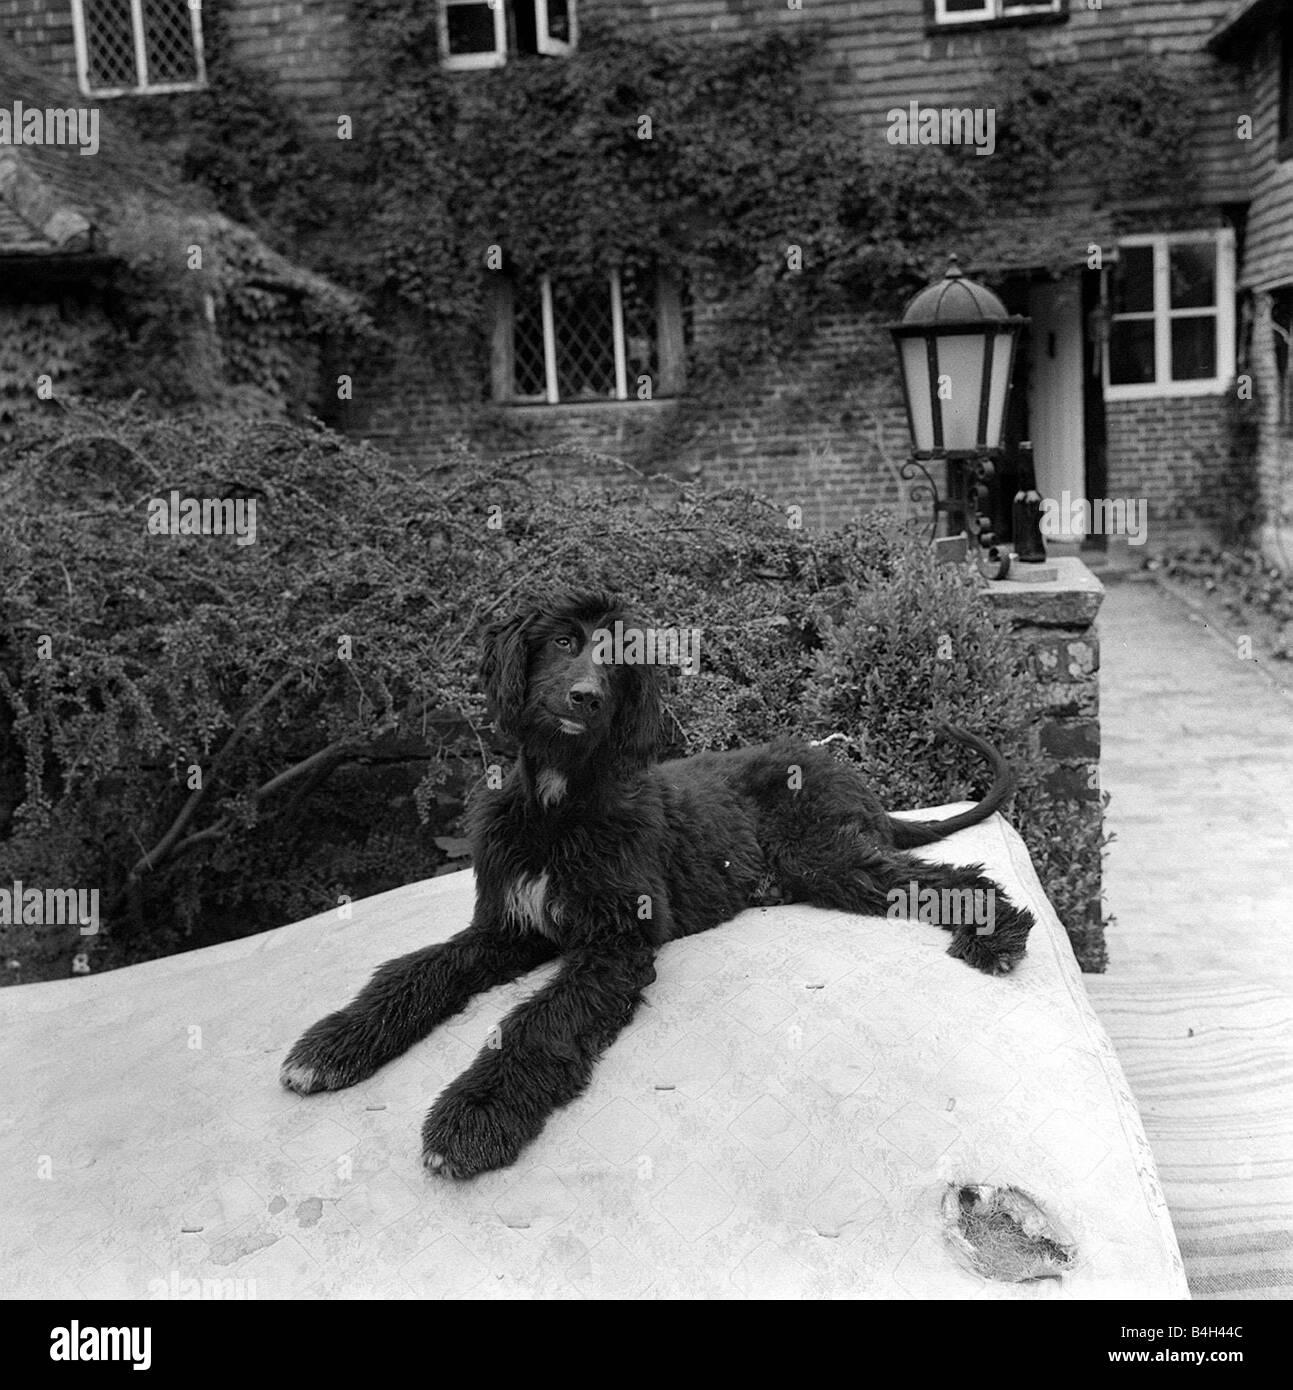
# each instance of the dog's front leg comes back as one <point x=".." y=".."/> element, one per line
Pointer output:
<point x="546" y="1050"/>
<point x="403" y="1002"/>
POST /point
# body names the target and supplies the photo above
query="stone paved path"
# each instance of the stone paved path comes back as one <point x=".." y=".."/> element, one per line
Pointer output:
<point x="1198" y="756"/>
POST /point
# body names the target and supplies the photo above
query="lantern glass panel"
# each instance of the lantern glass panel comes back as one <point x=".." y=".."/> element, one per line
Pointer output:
<point x="1002" y="344"/>
<point x="915" y="370"/>
<point x="961" y="358"/>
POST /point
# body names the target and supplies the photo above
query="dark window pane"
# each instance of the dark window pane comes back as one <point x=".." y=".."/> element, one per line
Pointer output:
<point x="1133" y="281"/>
<point x="525" y="25"/>
<point x="964" y="6"/>
<point x="110" y="43"/>
<point x="528" y="375"/>
<point x="1131" y="352"/>
<point x="1194" y="348"/>
<point x="1194" y="275"/>
<point x="471" y="28"/>
<point x="637" y="295"/>
<point x="559" y="20"/>
<point x="585" y="345"/>
<point x="168" y="42"/>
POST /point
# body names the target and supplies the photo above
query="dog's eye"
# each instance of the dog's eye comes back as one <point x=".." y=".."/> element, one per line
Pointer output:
<point x="565" y="643"/>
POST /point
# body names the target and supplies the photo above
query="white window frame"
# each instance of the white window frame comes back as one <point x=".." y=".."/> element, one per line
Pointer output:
<point x="474" y="62"/>
<point x="543" y="40"/>
<point x="1163" y="314"/>
<point x="142" y="87"/>
<point x="993" y="9"/>
<point x="546" y="44"/>
<point x="669" y="346"/>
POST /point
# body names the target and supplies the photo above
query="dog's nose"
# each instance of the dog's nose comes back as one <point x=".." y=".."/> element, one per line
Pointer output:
<point x="585" y="697"/>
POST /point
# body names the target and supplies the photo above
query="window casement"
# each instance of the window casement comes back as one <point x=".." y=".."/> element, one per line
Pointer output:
<point x="947" y="12"/>
<point x="138" y="47"/>
<point x="617" y="337"/>
<point x="1172" y="325"/>
<point x="481" y="33"/>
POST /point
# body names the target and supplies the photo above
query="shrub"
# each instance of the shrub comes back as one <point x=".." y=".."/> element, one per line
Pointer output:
<point x="224" y="737"/>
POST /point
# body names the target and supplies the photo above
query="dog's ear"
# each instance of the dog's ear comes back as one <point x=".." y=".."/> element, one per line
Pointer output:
<point x="504" y="671"/>
<point x="639" y="717"/>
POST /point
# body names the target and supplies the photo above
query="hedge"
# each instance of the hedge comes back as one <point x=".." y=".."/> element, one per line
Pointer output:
<point x="223" y="737"/>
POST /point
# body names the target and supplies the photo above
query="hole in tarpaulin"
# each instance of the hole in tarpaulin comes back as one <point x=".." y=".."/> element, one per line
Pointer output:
<point x="1004" y="1233"/>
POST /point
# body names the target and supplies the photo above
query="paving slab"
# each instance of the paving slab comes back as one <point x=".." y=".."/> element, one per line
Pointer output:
<point x="1198" y="759"/>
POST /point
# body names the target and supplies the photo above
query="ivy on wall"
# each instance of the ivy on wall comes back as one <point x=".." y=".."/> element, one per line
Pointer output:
<point x="718" y="158"/>
<point x="206" y="314"/>
<point x="54" y="336"/>
<point x="191" y="304"/>
<point x="1120" y="134"/>
<point x="640" y="148"/>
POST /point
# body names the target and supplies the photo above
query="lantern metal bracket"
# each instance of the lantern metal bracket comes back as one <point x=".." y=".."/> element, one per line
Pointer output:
<point x="922" y="492"/>
<point x="968" y="479"/>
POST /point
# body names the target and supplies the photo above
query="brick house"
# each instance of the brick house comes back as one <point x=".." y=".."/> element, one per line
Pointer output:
<point x="1134" y="356"/>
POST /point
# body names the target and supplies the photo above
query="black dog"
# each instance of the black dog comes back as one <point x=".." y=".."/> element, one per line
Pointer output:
<point x="589" y="852"/>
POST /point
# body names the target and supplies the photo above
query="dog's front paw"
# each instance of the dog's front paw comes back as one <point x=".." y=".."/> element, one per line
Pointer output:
<point x="464" y="1135"/>
<point x="1001" y="948"/>
<point x="335" y="1053"/>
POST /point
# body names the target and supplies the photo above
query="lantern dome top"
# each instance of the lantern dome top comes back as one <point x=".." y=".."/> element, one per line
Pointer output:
<point x="953" y="299"/>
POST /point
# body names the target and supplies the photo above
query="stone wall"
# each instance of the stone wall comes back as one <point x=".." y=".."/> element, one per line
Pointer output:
<point x="1056" y="621"/>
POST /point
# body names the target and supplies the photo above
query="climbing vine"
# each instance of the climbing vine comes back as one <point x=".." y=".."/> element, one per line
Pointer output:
<point x="719" y="158"/>
<point x="1122" y="134"/>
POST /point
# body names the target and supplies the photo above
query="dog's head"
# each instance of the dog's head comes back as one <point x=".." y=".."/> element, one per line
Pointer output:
<point x="559" y="683"/>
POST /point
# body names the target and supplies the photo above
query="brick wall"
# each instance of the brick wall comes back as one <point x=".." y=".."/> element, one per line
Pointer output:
<point x="1164" y="450"/>
<point x="43" y="28"/>
<point x="833" y="453"/>
<point x="303" y="47"/>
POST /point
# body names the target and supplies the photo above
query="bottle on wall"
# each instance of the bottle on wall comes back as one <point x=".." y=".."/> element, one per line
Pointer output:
<point x="1026" y="512"/>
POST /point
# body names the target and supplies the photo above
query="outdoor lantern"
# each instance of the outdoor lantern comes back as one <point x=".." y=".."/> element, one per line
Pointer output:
<point x="956" y="349"/>
<point x="956" y="352"/>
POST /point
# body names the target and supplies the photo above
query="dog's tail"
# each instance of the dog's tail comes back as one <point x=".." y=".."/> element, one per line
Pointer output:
<point x="909" y="833"/>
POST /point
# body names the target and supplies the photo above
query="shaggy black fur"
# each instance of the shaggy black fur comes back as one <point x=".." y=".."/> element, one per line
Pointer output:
<point x="591" y="852"/>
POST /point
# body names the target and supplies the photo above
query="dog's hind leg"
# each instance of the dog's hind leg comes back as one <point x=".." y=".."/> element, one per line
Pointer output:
<point x="848" y="870"/>
<point x="403" y="1002"/>
<point x="546" y="1052"/>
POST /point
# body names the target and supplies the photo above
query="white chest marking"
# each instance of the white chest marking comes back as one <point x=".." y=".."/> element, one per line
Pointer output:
<point x="552" y="786"/>
<point x="525" y="902"/>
